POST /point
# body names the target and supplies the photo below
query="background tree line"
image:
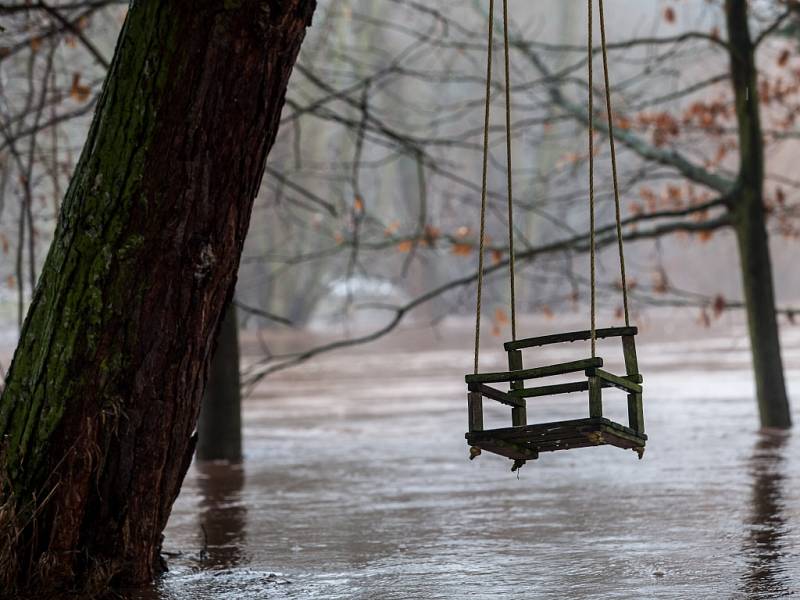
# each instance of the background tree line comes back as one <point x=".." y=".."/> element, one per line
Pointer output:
<point x="366" y="213"/>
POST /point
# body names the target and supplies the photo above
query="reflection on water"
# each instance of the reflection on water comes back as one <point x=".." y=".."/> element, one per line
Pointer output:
<point x="222" y="514"/>
<point x="358" y="487"/>
<point x="766" y="577"/>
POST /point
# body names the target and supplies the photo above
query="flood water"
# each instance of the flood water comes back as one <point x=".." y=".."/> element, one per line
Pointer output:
<point x="357" y="485"/>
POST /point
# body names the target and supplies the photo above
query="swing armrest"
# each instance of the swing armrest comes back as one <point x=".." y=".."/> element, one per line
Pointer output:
<point x="572" y="336"/>
<point x="630" y="383"/>
<point x="497" y="395"/>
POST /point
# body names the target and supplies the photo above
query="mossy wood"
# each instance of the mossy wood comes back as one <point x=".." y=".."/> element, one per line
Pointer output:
<point x="522" y="441"/>
<point x="560" y="435"/>
<point x="571" y="336"/>
<point x="508" y="398"/>
<point x="548" y="371"/>
<point x="519" y="414"/>
<point x="554" y="390"/>
<point x="622" y="383"/>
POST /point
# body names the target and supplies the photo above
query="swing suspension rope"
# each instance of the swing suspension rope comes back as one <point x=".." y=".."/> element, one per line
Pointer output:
<point x="484" y="184"/>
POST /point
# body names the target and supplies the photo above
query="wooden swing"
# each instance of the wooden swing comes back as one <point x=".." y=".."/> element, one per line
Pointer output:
<point x="523" y="441"/>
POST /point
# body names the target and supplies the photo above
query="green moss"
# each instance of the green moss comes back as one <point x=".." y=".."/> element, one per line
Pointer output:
<point x="130" y="246"/>
<point x="91" y="274"/>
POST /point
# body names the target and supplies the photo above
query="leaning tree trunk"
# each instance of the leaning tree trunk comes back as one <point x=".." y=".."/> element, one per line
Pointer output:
<point x="749" y="219"/>
<point x="219" y="428"/>
<point x="102" y="397"/>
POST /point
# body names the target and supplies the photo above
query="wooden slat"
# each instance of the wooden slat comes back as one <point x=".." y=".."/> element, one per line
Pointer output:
<point x="516" y="433"/>
<point x="635" y="405"/>
<point x="559" y="369"/>
<point x="562" y="435"/>
<point x="566" y="432"/>
<point x="555" y="390"/>
<point x="636" y="412"/>
<point x="572" y="336"/>
<point x="629" y="351"/>
<point x="550" y="390"/>
<point x="519" y="415"/>
<point x="497" y="395"/>
<point x="622" y="383"/>
<point x="595" y="396"/>
<point x="565" y="435"/>
<point x="601" y="437"/>
<point x="475" y="411"/>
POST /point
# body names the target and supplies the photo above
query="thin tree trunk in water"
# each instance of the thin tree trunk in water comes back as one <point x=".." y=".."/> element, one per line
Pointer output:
<point x="750" y="224"/>
<point x="102" y="397"/>
<point x="219" y="429"/>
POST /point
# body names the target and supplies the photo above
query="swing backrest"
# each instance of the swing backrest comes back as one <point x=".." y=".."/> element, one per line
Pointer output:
<point x="571" y="336"/>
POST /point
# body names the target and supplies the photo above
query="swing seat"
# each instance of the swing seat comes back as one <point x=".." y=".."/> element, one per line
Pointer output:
<point x="523" y="441"/>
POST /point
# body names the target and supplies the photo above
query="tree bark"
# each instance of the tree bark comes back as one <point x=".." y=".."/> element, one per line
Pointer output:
<point x="219" y="429"/>
<point x="749" y="218"/>
<point x="101" y="402"/>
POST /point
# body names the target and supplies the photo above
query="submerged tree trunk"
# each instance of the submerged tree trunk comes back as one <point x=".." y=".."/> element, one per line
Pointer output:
<point x="102" y="397"/>
<point x="749" y="217"/>
<point x="219" y="429"/>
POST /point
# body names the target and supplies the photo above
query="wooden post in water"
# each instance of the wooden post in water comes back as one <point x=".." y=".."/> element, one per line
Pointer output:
<point x="219" y="429"/>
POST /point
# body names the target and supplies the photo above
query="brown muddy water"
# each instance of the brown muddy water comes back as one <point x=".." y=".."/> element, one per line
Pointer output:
<point x="356" y="485"/>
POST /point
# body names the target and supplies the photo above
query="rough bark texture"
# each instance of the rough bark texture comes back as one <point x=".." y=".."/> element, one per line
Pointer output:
<point x="101" y="402"/>
<point x="219" y="430"/>
<point x="749" y="217"/>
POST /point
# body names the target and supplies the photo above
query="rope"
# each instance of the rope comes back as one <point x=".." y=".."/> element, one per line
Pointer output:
<point x="591" y="194"/>
<point x="620" y="243"/>
<point x="484" y="184"/>
<point x="511" y="256"/>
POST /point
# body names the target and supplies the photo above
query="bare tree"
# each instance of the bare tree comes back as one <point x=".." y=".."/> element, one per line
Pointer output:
<point x="369" y="200"/>
<point x="701" y="145"/>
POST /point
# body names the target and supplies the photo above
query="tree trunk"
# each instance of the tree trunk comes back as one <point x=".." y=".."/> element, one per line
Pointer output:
<point x="749" y="219"/>
<point x="102" y="397"/>
<point x="219" y="429"/>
